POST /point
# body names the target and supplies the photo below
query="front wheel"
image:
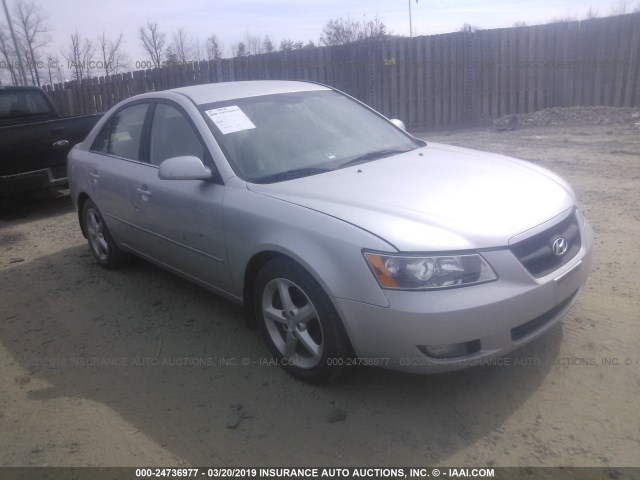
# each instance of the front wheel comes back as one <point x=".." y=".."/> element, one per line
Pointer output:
<point x="299" y="322"/>
<point x="104" y="249"/>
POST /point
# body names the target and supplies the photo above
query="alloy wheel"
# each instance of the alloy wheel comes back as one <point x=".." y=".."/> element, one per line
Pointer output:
<point x="292" y="323"/>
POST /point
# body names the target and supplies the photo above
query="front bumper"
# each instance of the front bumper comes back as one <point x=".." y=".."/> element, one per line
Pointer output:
<point x="54" y="177"/>
<point x="496" y="317"/>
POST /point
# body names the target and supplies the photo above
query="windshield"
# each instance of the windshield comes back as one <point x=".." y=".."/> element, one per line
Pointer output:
<point x="282" y="136"/>
<point x="15" y="104"/>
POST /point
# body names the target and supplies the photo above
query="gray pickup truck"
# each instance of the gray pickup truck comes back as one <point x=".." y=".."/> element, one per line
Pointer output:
<point x="35" y="140"/>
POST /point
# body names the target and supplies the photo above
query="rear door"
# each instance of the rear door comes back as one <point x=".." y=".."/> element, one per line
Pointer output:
<point x="30" y="147"/>
<point x="65" y="133"/>
<point x="117" y="167"/>
<point x="29" y="131"/>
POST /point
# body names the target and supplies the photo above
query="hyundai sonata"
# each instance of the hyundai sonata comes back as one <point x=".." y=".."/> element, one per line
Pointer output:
<point x="347" y="240"/>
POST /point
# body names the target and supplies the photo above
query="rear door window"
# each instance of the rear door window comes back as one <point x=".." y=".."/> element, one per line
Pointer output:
<point x="122" y="135"/>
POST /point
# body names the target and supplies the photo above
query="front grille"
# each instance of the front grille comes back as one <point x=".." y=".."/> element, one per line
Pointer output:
<point x="532" y="325"/>
<point x="536" y="253"/>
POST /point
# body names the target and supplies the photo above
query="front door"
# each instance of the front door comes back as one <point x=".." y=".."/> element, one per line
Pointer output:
<point x="182" y="219"/>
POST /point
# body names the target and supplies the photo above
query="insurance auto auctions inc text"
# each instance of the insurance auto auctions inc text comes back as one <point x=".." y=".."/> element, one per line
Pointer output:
<point x="374" y="472"/>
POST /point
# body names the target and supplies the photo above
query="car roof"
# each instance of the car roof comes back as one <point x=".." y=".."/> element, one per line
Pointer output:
<point x="222" y="91"/>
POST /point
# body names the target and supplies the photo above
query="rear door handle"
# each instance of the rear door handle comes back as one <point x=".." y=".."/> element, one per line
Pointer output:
<point x="143" y="191"/>
<point x="94" y="176"/>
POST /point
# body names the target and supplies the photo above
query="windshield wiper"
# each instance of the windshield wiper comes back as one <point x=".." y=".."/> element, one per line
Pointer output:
<point x="374" y="155"/>
<point x="291" y="174"/>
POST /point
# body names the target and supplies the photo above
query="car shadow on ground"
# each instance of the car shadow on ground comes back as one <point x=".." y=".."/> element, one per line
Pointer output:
<point x="34" y="205"/>
<point x="192" y="378"/>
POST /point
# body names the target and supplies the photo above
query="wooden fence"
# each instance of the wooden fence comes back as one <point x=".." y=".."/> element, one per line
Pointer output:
<point x="426" y="81"/>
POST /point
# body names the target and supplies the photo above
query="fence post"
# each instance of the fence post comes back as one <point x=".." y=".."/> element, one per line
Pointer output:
<point x="71" y="101"/>
<point x="469" y="100"/>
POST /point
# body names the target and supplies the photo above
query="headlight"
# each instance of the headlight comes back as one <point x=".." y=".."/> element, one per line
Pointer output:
<point x="429" y="272"/>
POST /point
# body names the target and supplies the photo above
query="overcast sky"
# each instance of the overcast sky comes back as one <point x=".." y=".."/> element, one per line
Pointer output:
<point x="303" y="20"/>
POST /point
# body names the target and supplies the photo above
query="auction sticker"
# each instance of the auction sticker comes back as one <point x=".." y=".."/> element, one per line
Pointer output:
<point x="230" y="119"/>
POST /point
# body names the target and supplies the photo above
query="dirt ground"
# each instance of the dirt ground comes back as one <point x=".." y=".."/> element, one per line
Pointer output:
<point x="136" y="367"/>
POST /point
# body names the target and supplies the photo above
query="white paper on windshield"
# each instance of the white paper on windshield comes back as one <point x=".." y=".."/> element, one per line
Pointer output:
<point x="230" y="119"/>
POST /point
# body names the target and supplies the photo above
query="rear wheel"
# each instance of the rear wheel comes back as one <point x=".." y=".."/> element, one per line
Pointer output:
<point x="104" y="249"/>
<point x="299" y="322"/>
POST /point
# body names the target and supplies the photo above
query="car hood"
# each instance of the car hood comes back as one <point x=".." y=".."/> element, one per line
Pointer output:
<point x="434" y="198"/>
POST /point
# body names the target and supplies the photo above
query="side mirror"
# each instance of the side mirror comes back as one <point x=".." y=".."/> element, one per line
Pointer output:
<point x="184" y="168"/>
<point x="399" y="124"/>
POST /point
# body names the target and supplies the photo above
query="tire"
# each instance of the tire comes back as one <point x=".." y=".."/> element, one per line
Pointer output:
<point x="101" y="243"/>
<point x="307" y="337"/>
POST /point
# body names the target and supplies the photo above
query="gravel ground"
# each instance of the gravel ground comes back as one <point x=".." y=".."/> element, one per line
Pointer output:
<point x="562" y="116"/>
<point x="135" y="367"/>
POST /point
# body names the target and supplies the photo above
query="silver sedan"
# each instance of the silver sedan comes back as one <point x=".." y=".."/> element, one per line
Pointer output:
<point x="347" y="240"/>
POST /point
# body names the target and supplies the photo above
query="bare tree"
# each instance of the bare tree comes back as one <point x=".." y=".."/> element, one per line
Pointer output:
<point x="171" y="57"/>
<point x="153" y="42"/>
<point x="373" y="28"/>
<point x="214" y="50"/>
<point x="9" y="55"/>
<point x="592" y="13"/>
<point x="80" y="57"/>
<point x="113" y="59"/>
<point x="54" y="72"/>
<point x="469" y="28"/>
<point x="622" y="7"/>
<point x="197" y="51"/>
<point x="183" y="47"/>
<point x="239" y="49"/>
<point x="339" y="31"/>
<point x="267" y="45"/>
<point x="566" y="19"/>
<point x="286" y="45"/>
<point x="253" y="44"/>
<point x="30" y="20"/>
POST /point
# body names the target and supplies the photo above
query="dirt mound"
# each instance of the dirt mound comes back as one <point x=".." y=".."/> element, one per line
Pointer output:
<point x="570" y="116"/>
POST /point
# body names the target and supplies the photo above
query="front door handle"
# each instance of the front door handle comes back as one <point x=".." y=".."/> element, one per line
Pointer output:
<point x="60" y="144"/>
<point x="94" y="176"/>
